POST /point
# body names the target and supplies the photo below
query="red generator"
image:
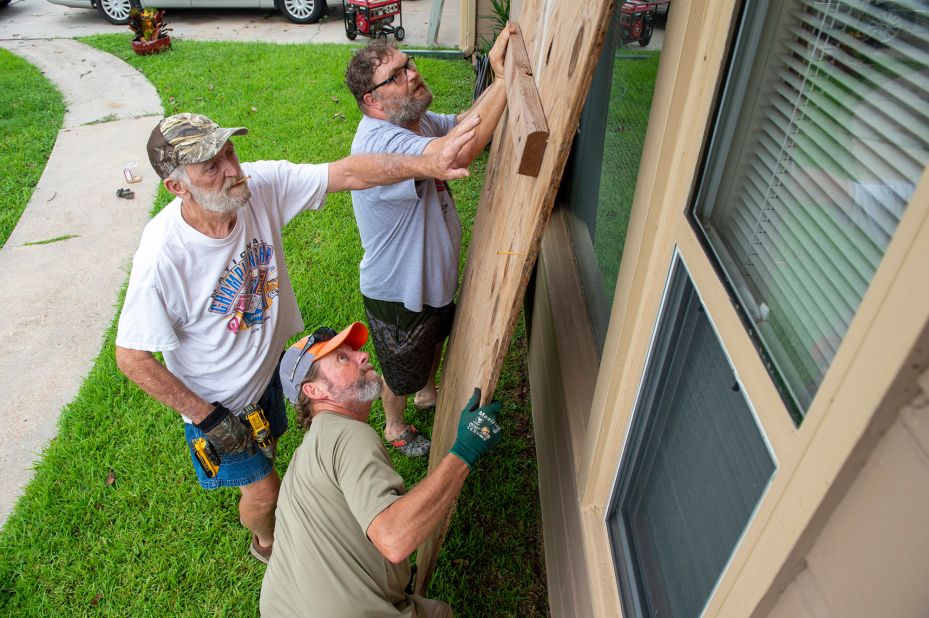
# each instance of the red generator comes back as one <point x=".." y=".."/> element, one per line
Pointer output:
<point x="636" y="21"/>
<point x="373" y="18"/>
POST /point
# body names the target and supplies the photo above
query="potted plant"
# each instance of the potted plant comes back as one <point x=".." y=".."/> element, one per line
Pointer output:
<point x="148" y="25"/>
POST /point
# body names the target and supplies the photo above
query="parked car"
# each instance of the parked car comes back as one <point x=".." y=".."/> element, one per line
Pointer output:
<point x="117" y="11"/>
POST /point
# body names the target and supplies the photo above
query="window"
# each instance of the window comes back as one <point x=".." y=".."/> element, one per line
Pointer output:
<point x="695" y="466"/>
<point x="604" y="165"/>
<point x="821" y="135"/>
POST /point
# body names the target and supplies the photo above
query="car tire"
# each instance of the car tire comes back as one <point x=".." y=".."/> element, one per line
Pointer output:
<point x="302" y="11"/>
<point x="114" y="11"/>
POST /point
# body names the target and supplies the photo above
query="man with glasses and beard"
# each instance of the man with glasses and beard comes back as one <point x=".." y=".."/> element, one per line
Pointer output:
<point x="410" y="230"/>
<point x="345" y="523"/>
<point x="209" y="289"/>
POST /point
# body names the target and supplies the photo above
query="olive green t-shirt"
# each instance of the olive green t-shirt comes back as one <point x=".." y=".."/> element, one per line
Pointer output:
<point x="323" y="564"/>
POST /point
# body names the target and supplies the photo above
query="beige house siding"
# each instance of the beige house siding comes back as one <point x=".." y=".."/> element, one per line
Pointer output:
<point x="474" y="24"/>
<point x="872" y="557"/>
<point x="483" y="26"/>
<point x="560" y="407"/>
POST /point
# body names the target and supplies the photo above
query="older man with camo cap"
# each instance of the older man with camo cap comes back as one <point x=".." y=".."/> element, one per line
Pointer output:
<point x="209" y="289"/>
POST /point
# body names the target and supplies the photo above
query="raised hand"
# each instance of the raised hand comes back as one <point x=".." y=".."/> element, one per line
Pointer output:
<point x="497" y="54"/>
<point x="445" y="161"/>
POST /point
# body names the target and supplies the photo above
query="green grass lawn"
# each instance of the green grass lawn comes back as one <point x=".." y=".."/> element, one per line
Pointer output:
<point x="31" y="110"/>
<point x="631" y="93"/>
<point x="115" y="524"/>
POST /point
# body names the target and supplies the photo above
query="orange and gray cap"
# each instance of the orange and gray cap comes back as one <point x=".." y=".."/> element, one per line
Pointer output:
<point x="186" y="138"/>
<point x="299" y="357"/>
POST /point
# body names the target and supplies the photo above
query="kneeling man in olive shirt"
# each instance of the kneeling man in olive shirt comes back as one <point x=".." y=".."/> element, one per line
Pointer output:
<point x="345" y="522"/>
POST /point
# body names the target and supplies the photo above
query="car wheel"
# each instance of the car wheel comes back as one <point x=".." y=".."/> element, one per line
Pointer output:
<point x="114" y="11"/>
<point x="302" y="11"/>
<point x="399" y="33"/>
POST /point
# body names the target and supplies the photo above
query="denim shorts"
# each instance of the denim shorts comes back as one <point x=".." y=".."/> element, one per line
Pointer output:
<point x="241" y="468"/>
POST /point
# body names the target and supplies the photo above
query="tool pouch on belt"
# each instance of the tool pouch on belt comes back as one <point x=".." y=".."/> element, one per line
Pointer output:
<point x="255" y="419"/>
<point x="225" y="432"/>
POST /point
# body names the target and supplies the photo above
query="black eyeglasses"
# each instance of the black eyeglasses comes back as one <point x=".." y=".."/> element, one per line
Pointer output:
<point x="395" y="78"/>
<point x="320" y="334"/>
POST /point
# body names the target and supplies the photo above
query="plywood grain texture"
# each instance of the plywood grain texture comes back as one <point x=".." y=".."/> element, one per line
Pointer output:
<point x="563" y="40"/>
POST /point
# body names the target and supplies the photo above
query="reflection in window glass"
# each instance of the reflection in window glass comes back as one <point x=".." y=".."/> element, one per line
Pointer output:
<point x="695" y="467"/>
<point x="822" y="135"/>
<point x="605" y="158"/>
<point x="623" y="140"/>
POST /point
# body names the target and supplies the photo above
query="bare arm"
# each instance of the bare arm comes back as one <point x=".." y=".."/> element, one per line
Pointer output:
<point x="362" y="171"/>
<point x="489" y="106"/>
<point x="404" y="525"/>
<point x="154" y="378"/>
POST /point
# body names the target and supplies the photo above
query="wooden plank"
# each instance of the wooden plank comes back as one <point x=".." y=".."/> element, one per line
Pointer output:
<point x="562" y="41"/>
<point x="529" y="130"/>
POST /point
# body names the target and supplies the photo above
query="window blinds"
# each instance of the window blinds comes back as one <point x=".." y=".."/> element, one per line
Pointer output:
<point x="832" y="136"/>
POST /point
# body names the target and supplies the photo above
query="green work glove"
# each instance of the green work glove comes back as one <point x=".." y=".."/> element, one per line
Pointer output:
<point x="478" y="431"/>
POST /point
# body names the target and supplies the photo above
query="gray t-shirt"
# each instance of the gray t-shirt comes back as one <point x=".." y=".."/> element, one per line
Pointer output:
<point x="410" y="231"/>
<point x="323" y="564"/>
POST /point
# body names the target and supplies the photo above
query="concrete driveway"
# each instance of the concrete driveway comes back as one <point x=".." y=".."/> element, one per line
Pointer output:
<point x="39" y="19"/>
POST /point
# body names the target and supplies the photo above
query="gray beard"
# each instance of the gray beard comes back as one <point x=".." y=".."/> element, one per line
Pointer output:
<point x="220" y="201"/>
<point x="404" y="111"/>
<point x="362" y="391"/>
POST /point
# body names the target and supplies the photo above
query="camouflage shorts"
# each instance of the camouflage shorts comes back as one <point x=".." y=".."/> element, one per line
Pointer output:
<point x="405" y="341"/>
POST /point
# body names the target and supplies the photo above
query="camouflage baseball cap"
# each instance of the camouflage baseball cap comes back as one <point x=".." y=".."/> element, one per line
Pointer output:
<point x="186" y="138"/>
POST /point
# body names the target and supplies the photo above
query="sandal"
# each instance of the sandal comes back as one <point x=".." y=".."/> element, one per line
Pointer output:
<point x="411" y="443"/>
<point x="125" y="193"/>
<point x="259" y="552"/>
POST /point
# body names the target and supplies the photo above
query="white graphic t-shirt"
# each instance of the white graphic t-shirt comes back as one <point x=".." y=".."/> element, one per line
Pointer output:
<point x="221" y="310"/>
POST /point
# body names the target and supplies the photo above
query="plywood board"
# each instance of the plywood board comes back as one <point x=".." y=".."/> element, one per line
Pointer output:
<point x="563" y="40"/>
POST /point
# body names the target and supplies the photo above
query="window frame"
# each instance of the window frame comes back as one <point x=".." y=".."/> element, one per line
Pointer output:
<point x="669" y="305"/>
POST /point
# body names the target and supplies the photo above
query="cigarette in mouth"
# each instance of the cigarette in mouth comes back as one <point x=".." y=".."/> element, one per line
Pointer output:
<point x="239" y="181"/>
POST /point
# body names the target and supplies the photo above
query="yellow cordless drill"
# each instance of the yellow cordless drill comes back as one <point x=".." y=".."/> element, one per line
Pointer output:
<point x="253" y="416"/>
<point x="206" y="455"/>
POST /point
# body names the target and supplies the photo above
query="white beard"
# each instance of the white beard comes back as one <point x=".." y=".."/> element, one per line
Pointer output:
<point x="221" y="201"/>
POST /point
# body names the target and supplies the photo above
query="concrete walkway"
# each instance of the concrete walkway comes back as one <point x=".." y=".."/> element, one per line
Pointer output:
<point x="65" y="292"/>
